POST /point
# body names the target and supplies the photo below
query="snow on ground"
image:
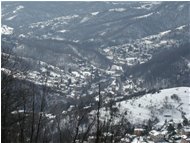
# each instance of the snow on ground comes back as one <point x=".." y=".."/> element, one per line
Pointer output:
<point x="6" y="71"/>
<point x="181" y="27"/>
<point x="50" y="116"/>
<point x="159" y="105"/>
<point x="6" y="30"/>
<point x="165" y="32"/>
<point x="54" y="74"/>
<point x="86" y="73"/>
<point x="22" y="36"/>
<point x="85" y="19"/>
<point x="76" y="41"/>
<point x="180" y="7"/>
<point x="148" y="5"/>
<point x="63" y="20"/>
<point x="148" y="42"/>
<point x="18" y="8"/>
<point x="188" y="65"/>
<point x="16" y="112"/>
<point x="116" y="67"/>
<point x="68" y="17"/>
<point x="11" y="18"/>
<point x="76" y="74"/>
<point x="102" y="33"/>
<point x="106" y="50"/>
<point x="165" y="105"/>
<point x="143" y="16"/>
<point x="58" y="38"/>
<point x="63" y="31"/>
<point x="117" y="10"/>
<point x="95" y="13"/>
<point x="43" y="69"/>
<point x="163" y="42"/>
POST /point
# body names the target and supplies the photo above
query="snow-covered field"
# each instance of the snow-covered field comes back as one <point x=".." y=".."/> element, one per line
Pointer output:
<point x="165" y="105"/>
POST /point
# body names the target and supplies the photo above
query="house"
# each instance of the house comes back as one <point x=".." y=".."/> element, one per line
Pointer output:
<point x="186" y="131"/>
<point x="157" y="136"/>
<point x="139" y="131"/>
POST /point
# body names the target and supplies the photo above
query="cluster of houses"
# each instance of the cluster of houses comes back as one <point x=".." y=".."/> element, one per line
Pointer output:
<point x="164" y="135"/>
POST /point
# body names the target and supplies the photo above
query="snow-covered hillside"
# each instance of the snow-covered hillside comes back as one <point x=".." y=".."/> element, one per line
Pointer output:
<point x="63" y="62"/>
<point x="167" y="104"/>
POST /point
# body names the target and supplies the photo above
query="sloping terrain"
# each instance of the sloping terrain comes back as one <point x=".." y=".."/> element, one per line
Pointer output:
<point x="168" y="104"/>
<point x="70" y="56"/>
<point x="95" y="42"/>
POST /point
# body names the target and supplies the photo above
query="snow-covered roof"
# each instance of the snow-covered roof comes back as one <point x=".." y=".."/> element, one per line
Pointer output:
<point x="139" y="129"/>
<point x="154" y="133"/>
<point x="187" y="128"/>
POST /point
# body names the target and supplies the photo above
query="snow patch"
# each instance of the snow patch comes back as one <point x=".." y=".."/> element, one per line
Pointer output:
<point x="102" y="34"/>
<point x="6" y="71"/>
<point x="165" y="32"/>
<point x="117" y="10"/>
<point x="116" y="67"/>
<point x="181" y="7"/>
<point x="144" y="16"/>
<point x="85" y="19"/>
<point x="106" y="50"/>
<point x="148" y="42"/>
<point x="18" y="8"/>
<point x="86" y="73"/>
<point x="63" y="31"/>
<point x="66" y="17"/>
<point x="11" y="18"/>
<point x="20" y="47"/>
<point x="58" y="38"/>
<point x="76" y="41"/>
<point x="76" y="74"/>
<point x="6" y="30"/>
<point x="147" y="5"/>
<point x="50" y="116"/>
<point x="188" y="65"/>
<point x="181" y="27"/>
<point x="163" y="42"/>
<point x="16" y="112"/>
<point x="95" y="13"/>
<point x="21" y="36"/>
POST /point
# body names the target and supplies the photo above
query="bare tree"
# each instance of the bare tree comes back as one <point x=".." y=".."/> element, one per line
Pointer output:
<point x="88" y="130"/>
<point x="42" y="105"/>
<point x="98" y="132"/>
<point x="79" y="120"/>
<point x="33" y="114"/>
